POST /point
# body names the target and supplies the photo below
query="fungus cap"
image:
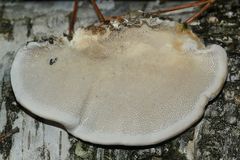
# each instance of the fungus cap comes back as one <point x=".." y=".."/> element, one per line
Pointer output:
<point x="137" y="86"/>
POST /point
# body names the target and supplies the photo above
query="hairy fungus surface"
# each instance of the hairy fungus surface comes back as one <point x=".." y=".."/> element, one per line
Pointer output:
<point x="133" y="86"/>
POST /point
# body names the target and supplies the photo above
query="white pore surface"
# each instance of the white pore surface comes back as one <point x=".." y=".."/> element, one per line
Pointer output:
<point x="138" y="86"/>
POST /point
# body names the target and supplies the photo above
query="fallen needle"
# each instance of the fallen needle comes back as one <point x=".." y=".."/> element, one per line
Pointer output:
<point x="9" y="134"/>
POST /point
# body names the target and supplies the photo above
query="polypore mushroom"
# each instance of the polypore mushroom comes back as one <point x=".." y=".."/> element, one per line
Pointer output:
<point x="133" y="86"/>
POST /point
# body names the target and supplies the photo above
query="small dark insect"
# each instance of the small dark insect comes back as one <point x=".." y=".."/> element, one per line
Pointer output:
<point x="51" y="40"/>
<point x="52" y="61"/>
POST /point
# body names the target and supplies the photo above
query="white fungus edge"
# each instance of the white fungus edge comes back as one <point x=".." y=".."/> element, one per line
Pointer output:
<point x="72" y="122"/>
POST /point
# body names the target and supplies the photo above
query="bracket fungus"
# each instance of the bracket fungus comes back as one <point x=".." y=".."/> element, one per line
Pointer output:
<point x="123" y="85"/>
